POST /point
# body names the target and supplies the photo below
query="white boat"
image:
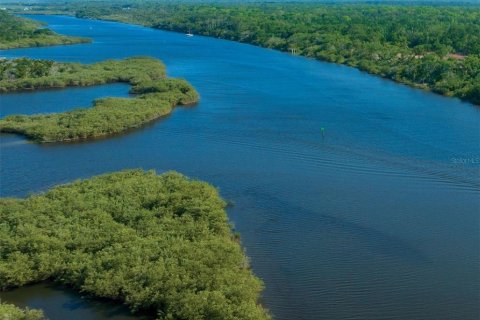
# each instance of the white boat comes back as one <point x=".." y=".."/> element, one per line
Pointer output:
<point x="189" y="34"/>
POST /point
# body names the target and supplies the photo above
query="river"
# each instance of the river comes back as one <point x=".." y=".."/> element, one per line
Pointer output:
<point x="376" y="218"/>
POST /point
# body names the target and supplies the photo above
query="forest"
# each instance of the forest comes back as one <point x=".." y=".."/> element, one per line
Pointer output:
<point x="18" y="32"/>
<point x="430" y="47"/>
<point x="161" y="244"/>
<point x="155" y="96"/>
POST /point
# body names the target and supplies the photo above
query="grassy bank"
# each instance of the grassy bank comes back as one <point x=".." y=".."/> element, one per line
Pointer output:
<point x="158" y="243"/>
<point x="18" y="32"/>
<point x="156" y="97"/>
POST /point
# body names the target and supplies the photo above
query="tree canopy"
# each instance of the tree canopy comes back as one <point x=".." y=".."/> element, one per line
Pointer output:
<point x="16" y="32"/>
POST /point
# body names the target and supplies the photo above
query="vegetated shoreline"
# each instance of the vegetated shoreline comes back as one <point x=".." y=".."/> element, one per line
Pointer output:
<point x="30" y="34"/>
<point x="155" y="97"/>
<point x="125" y="130"/>
<point x="182" y="29"/>
<point x="410" y="84"/>
<point x="161" y="244"/>
<point x="46" y="42"/>
<point x="438" y="60"/>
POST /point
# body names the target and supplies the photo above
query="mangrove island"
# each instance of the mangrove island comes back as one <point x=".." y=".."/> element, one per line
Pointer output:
<point x="156" y="96"/>
<point x="161" y="244"/>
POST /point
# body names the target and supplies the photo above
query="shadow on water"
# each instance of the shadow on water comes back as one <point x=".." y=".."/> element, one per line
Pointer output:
<point x="375" y="240"/>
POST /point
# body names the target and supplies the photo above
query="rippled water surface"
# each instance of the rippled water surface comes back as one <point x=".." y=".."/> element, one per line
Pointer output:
<point x="376" y="219"/>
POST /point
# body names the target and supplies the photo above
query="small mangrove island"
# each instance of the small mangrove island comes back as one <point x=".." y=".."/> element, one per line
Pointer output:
<point x="10" y="311"/>
<point x="155" y="96"/>
<point x="161" y="244"/>
<point x="16" y="32"/>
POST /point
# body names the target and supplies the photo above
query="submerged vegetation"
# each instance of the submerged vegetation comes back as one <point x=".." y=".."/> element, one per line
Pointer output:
<point x="430" y="47"/>
<point x="18" y="32"/>
<point x="156" y="97"/>
<point x="160" y="244"/>
<point x="11" y="312"/>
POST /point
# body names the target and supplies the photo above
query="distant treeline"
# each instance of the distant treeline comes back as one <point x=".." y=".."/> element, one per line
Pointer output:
<point x="156" y="96"/>
<point x="430" y="47"/>
<point x="160" y="244"/>
<point x="18" y="32"/>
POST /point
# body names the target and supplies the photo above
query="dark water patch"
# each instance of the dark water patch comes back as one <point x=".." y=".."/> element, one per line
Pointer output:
<point x="59" y="303"/>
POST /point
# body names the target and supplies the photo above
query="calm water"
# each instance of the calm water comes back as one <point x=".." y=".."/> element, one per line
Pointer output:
<point x="62" y="303"/>
<point x="58" y="100"/>
<point x="378" y="219"/>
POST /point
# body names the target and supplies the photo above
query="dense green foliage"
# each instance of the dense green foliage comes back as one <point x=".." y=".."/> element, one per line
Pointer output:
<point x="431" y="47"/>
<point x="156" y="97"/>
<point x="161" y="244"/>
<point x="18" y="32"/>
<point x="27" y="74"/>
<point x="11" y="312"/>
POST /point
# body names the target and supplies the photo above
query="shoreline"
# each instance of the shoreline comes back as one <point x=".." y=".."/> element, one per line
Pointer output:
<point x="425" y="88"/>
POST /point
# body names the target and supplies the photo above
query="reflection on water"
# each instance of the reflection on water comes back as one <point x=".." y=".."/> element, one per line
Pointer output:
<point x="376" y="218"/>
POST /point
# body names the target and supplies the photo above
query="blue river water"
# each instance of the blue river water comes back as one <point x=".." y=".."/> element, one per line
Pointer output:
<point x="376" y="218"/>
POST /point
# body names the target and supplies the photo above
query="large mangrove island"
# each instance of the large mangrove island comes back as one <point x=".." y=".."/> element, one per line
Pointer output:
<point x="161" y="244"/>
